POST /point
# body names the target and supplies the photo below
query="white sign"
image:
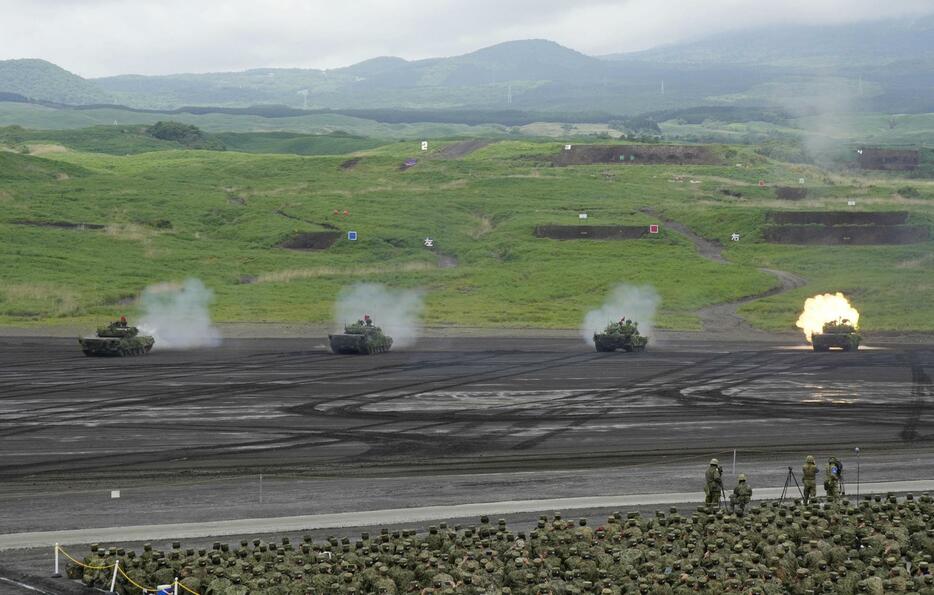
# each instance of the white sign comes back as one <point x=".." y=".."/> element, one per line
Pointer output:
<point x="801" y="180"/>
<point x="114" y="493"/>
<point x="735" y="237"/>
<point x="429" y="242"/>
<point x="851" y="203"/>
<point x="582" y="216"/>
<point x="567" y="147"/>
<point x="424" y="145"/>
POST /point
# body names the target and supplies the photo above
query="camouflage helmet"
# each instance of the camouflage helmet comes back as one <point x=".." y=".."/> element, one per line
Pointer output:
<point x="742" y="477"/>
<point x="809" y="459"/>
<point x="714" y="461"/>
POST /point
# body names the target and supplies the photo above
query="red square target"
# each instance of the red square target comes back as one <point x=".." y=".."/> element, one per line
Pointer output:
<point x="653" y="228"/>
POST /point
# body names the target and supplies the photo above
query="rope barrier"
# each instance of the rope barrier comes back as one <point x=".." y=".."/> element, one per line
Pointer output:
<point x="82" y="564"/>
<point x="137" y="585"/>
<point x="119" y="570"/>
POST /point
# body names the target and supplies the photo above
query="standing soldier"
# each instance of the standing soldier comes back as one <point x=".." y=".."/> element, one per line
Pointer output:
<point x="714" y="483"/>
<point x="809" y="472"/>
<point x="741" y="495"/>
<point x="833" y="479"/>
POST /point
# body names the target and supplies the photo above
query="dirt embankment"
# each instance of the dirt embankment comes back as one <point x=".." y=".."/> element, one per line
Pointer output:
<point x="889" y="159"/>
<point x="836" y="228"/>
<point x="790" y="193"/>
<point x="838" y="217"/>
<point x="59" y="224"/>
<point x="846" y="234"/>
<point x="463" y="148"/>
<point x="591" y="232"/>
<point x="350" y="163"/>
<point x="311" y="240"/>
<point x="638" y="155"/>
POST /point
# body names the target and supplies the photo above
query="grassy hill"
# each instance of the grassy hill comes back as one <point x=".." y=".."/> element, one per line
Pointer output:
<point x="166" y="215"/>
<point x="129" y="140"/>
<point x="38" y="79"/>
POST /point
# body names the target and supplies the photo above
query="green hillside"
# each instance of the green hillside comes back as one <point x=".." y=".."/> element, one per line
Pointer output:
<point x="38" y="79"/>
<point x="220" y="216"/>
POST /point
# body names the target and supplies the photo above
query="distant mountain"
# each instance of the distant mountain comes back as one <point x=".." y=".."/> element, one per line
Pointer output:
<point x="850" y="46"/>
<point x="881" y="66"/>
<point x="38" y="79"/>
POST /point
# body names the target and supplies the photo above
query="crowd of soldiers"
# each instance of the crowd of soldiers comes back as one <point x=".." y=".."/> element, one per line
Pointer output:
<point x="882" y="545"/>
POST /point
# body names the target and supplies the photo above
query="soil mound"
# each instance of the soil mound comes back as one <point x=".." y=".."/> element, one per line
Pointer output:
<point x="637" y="155"/>
<point x="463" y="148"/>
<point x="790" y="193"/>
<point x="839" y="217"/>
<point x="889" y="159"/>
<point x="311" y="240"/>
<point x="591" y="232"/>
<point x="59" y="224"/>
<point x="351" y="163"/>
<point x="846" y="234"/>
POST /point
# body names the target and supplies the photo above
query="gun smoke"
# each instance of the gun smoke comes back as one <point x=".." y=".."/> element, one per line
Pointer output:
<point x="638" y="303"/>
<point x="397" y="311"/>
<point x="177" y="316"/>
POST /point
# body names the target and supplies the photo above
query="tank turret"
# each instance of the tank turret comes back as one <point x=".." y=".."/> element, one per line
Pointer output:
<point x="623" y="334"/>
<point x="361" y="337"/>
<point x="839" y="334"/>
<point x="116" y="339"/>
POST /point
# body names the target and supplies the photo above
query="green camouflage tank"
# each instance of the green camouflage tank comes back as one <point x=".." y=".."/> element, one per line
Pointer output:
<point x="361" y="337"/>
<point x="838" y="333"/>
<point x="620" y="335"/>
<point x="116" y="339"/>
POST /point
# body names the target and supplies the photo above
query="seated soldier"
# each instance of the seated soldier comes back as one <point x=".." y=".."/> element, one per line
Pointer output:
<point x="741" y="495"/>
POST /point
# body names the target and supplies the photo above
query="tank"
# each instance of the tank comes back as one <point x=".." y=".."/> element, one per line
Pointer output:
<point x="839" y="334"/>
<point x="361" y="337"/>
<point x="620" y="335"/>
<point x="116" y="339"/>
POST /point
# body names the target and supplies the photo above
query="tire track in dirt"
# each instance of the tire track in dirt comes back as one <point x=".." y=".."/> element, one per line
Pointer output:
<point x="724" y="317"/>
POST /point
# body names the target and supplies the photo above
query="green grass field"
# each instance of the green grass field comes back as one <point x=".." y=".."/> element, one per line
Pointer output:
<point x="219" y="216"/>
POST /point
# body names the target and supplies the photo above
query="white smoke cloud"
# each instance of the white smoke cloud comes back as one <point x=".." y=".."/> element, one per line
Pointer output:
<point x="397" y="311"/>
<point x="177" y="316"/>
<point x="636" y="302"/>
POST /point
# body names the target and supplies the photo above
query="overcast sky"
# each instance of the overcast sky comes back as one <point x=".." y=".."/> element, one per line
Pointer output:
<point x="105" y="37"/>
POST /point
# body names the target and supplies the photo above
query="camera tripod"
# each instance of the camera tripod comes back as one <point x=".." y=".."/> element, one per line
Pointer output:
<point x="789" y="478"/>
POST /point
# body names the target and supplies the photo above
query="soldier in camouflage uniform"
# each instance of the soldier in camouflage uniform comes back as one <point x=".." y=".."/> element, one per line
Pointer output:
<point x="881" y="546"/>
<point x="741" y="495"/>
<point x="809" y="477"/>
<point x="833" y="479"/>
<point x="713" y="486"/>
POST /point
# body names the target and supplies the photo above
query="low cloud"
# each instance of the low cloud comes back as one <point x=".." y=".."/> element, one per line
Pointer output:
<point x="107" y="37"/>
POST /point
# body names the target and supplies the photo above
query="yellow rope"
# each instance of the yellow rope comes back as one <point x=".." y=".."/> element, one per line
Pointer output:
<point x="82" y="564"/>
<point x="134" y="583"/>
<point x="122" y="573"/>
<point x="152" y="589"/>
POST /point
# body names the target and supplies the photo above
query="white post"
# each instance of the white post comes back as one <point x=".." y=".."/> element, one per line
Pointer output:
<point x="175" y="589"/>
<point x="56" y="573"/>
<point x="113" y="581"/>
<point x="260" y="488"/>
<point x="734" y="461"/>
